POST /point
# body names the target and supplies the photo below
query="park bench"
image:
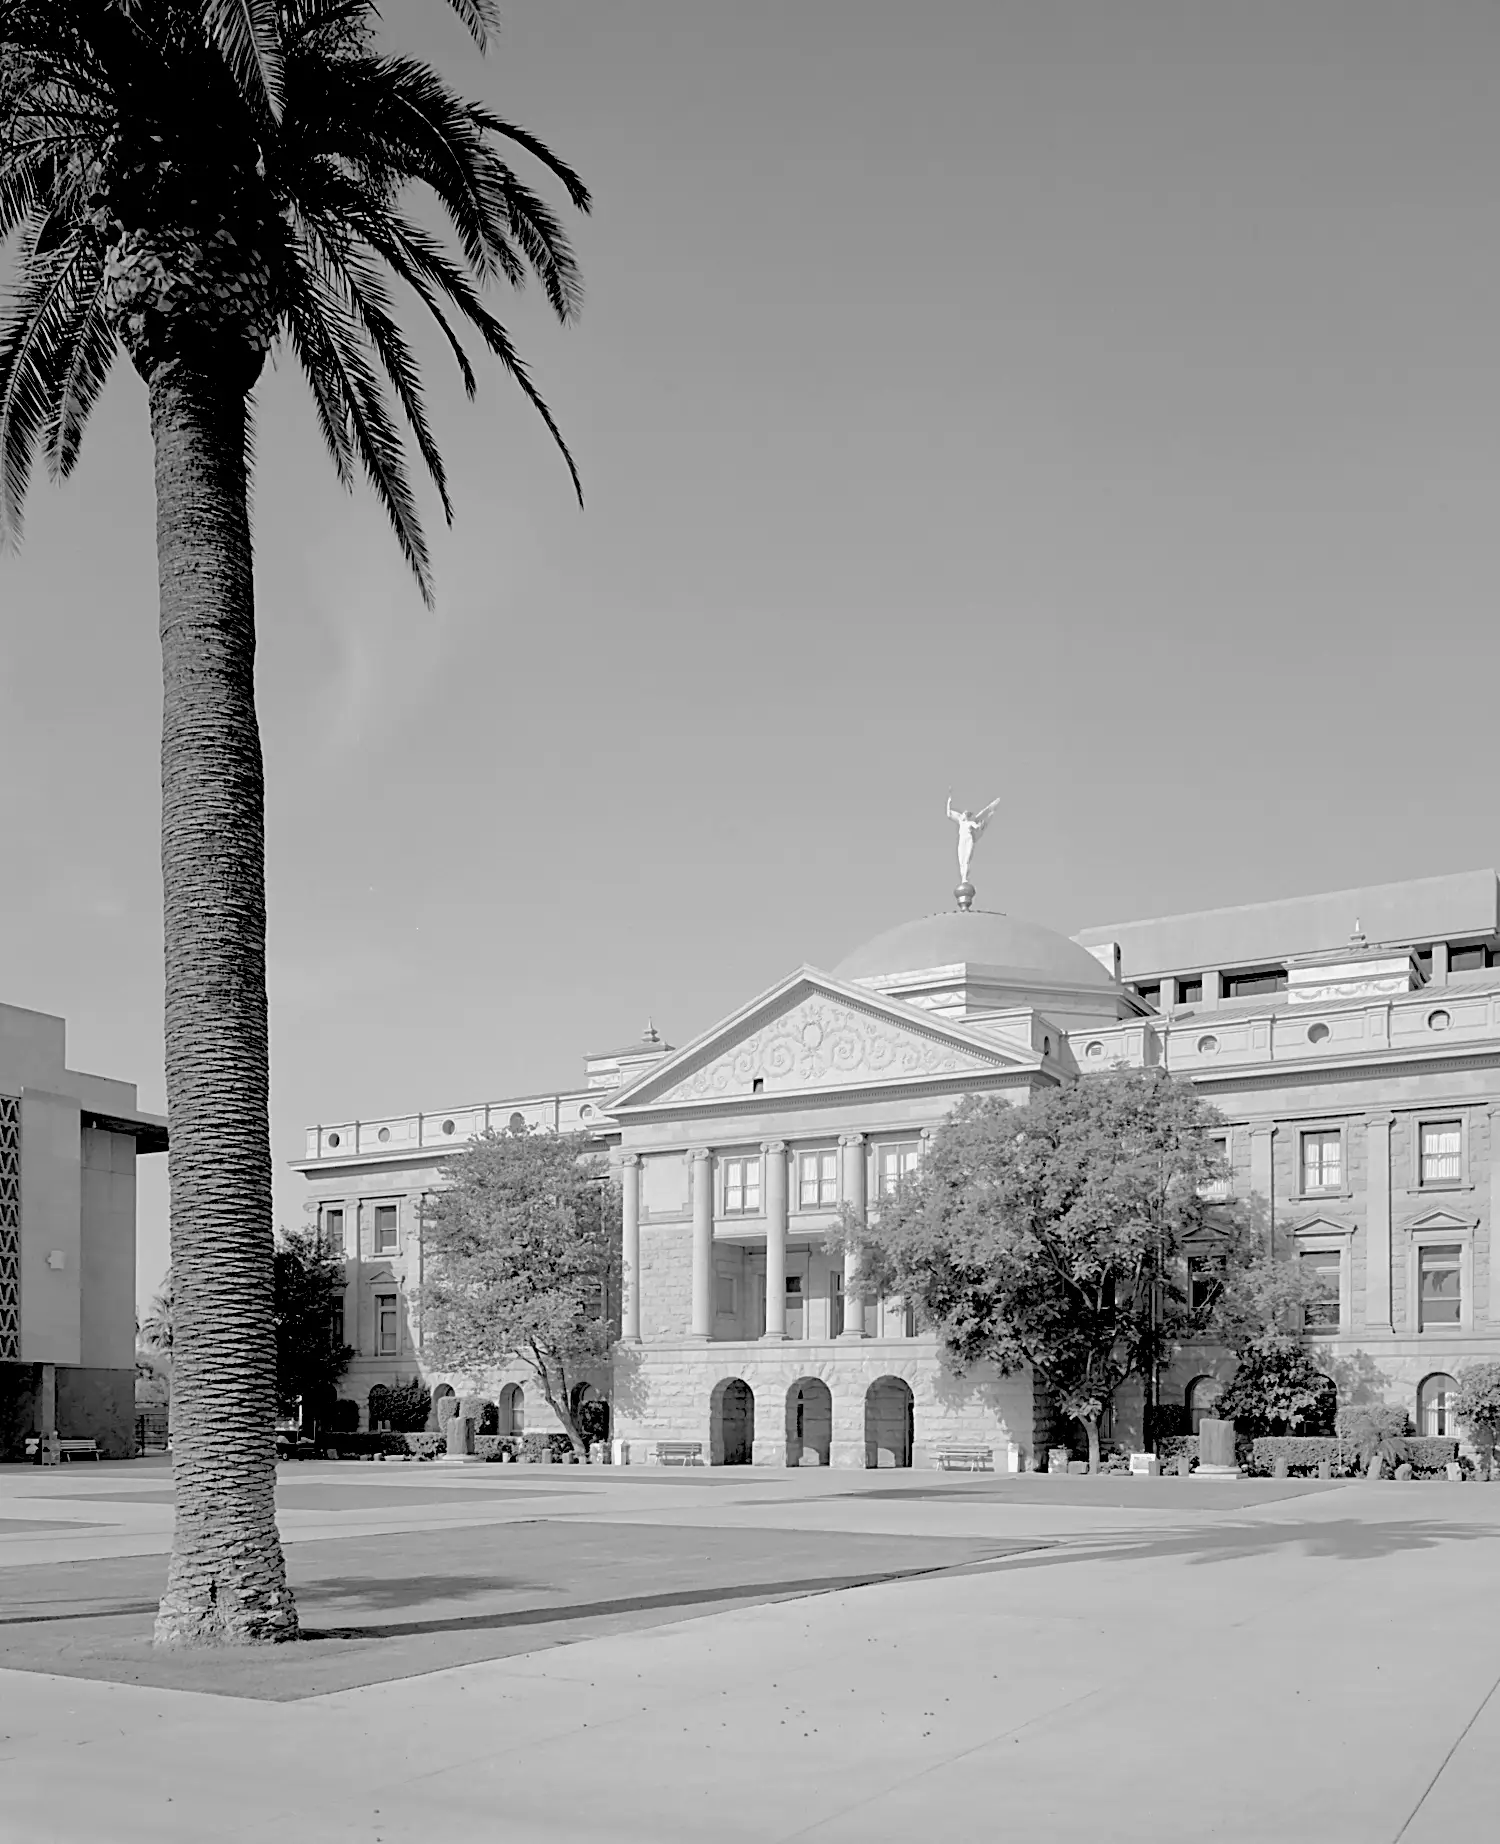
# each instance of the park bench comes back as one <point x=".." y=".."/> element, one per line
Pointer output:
<point x="679" y="1453"/>
<point x="70" y="1449"/>
<point x="967" y="1459"/>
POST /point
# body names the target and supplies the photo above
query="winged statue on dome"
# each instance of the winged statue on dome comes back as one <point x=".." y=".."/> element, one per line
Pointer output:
<point x="970" y="829"/>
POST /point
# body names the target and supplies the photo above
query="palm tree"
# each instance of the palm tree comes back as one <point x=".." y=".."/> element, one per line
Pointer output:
<point x="196" y="181"/>
<point x="155" y="1330"/>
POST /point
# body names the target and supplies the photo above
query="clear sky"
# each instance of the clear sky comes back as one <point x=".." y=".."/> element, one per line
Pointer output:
<point x="1096" y="405"/>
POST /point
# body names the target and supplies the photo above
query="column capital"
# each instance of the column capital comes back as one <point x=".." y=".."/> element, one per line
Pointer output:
<point x="851" y="1139"/>
<point x="1380" y="1117"/>
<point x="630" y="1158"/>
<point x="1266" y="1128"/>
<point x="773" y="1147"/>
<point x="701" y="1152"/>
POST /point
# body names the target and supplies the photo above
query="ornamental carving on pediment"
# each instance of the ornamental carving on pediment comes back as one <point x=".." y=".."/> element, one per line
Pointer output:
<point x="822" y="1042"/>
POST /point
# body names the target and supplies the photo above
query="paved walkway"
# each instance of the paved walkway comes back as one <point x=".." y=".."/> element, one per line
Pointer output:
<point x="1137" y="1662"/>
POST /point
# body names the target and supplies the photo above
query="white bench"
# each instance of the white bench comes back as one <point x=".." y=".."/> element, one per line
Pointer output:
<point x="70" y="1449"/>
<point x="967" y="1459"/>
<point x="679" y="1453"/>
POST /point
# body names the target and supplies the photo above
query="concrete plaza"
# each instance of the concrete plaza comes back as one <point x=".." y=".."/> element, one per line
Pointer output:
<point x="643" y="1655"/>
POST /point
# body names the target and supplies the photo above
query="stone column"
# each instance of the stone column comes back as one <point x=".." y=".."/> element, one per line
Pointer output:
<point x="1263" y="1175"/>
<point x="703" y="1242"/>
<point x="853" y="1147"/>
<point x="1378" y="1223"/>
<point x="1439" y="963"/>
<point x="630" y="1262"/>
<point x="773" y="1153"/>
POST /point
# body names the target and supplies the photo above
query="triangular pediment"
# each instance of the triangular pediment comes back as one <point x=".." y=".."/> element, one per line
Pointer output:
<point x="1321" y="1223"/>
<point x="1439" y="1219"/>
<point x="814" y="1034"/>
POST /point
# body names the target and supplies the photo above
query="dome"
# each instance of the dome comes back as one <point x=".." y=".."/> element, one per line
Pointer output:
<point x="978" y="937"/>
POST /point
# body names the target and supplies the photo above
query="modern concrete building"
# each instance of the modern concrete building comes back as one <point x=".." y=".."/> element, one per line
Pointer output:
<point x="68" y="1147"/>
<point x="1351" y="1042"/>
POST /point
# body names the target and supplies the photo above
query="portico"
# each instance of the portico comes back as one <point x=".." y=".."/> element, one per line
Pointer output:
<point x="747" y="1162"/>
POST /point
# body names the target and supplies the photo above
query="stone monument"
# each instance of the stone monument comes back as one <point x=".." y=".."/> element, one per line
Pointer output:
<point x="1216" y="1450"/>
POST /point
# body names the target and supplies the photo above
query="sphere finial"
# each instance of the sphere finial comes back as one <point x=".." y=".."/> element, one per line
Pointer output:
<point x="964" y="893"/>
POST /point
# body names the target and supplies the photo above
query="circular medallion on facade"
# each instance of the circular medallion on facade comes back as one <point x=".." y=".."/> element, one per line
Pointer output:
<point x="1438" y="1021"/>
<point x="1317" y="1033"/>
<point x="812" y="1034"/>
<point x="1208" y="1046"/>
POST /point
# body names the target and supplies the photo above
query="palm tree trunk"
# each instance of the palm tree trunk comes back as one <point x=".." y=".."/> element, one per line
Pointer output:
<point x="227" y="1582"/>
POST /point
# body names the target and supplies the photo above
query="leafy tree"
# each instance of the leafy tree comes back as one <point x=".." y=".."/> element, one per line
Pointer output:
<point x="196" y="181"/>
<point x="1058" y="1235"/>
<point x="311" y="1355"/>
<point x="1277" y="1388"/>
<point x="1476" y="1403"/>
<point x="521" y="1249"/>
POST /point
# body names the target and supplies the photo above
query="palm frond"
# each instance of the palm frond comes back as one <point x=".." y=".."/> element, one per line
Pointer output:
<point x="326" y="339"/>
<point x="248" y="36"/>
<point x="34" y="355"/>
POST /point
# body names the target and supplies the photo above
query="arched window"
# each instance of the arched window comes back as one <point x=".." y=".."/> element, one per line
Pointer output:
<point x="512" y="1408"/>
<point x="1435" y="1405"/>
<point x="1202" y="1394"/>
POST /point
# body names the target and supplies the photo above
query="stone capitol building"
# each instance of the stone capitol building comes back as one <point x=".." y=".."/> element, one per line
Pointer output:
<point x="1351" y="1041"/>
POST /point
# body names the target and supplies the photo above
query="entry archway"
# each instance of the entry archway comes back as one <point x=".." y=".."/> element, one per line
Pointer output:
<point x="731" y="1423"/>
<point x="890" y="1418"/>
<point x="1200" y="1396"/>
<point x="809" y="1422"/>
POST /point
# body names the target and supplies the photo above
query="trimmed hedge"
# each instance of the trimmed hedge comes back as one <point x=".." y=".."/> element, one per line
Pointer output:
<point x="1429" y="1454"/>
<point x="1172" y="1447"/>
<point x="1299" y="1451"/>
<point x="367" y="1446"/>
<point x="491" y="1446"/>
<point x="482" y="1412"/>
<point x="426" y="1446"/>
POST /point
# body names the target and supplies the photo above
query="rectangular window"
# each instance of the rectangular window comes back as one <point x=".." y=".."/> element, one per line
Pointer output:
<point x="1322" y="1161"/>
<point x="835" y="1304"/>
<point x="724" y="1296"/>
<point x="1215" y="1188"/>
<point x="1442" y="1152"/>
<point x="332" y="1228"/>
<point x="1320" y="1312"/>
<point x="896" y="1163"/>
<point x="908" y="1320"/>
<point x="336" y="1320"/>
<point x="794" y="1306"/>
<point x="1202" y="1287"/>
<point x="817" y="1180"/>
<point x="385" y="1324"/>
<point x="387" y="1224"/>
<point x="1469" y="958"/>
<point x="1254" y="985"/>
<point x="1151" y="994"/>
<point x="1190" y="992"/>
<point x="1424" y="962"/>
<point x="1440" y="1286"/>
<point x="741" y="1187"/>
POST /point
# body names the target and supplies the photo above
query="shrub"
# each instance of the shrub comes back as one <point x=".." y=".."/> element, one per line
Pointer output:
<point x="491" y="1446"/>
<point x="1375" y="1428"/>
<point x="1430" y="1454"/>
<point x="423" y="1443"/>
<point x="483" y="1413"/>
<point x="593" y="1420"/>
<point x="1302" y="1452"/>
<point x="447" y="1408"/>
<point x="1277" y="1389"/>
<point x="1172" y="1447"/>
<point x="1168" y="1421"/>
<point x="343" y="1417"/>
<point x="356" y="1446"/>
<point x="407" y="1406"/>
<point x="1476" y="1403"/>
<point x="378" y="1406"/>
